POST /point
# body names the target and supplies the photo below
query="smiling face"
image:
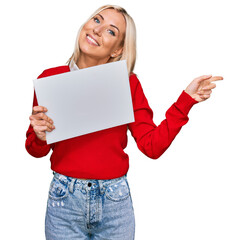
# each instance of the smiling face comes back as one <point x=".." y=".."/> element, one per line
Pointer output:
<point x="101" y="36"/>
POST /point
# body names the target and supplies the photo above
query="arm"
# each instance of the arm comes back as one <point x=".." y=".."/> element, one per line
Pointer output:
<point x="153" y="140"/>
<point x="35" y="146"/>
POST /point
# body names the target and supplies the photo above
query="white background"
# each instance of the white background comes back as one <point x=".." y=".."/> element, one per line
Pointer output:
<point x="198" y="188"/>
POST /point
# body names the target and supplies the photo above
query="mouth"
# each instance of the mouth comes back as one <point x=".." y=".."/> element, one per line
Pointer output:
<point x="91" y="40"/>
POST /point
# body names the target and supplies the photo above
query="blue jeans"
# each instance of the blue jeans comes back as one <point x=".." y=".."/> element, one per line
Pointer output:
<point x="89" y="209"/>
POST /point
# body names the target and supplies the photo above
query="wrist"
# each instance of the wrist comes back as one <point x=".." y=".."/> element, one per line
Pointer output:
<point x="185" y="102"/>
<point x="191" y="95"/>
<point x="40" y="142"/>
<point x="186" y="90"/>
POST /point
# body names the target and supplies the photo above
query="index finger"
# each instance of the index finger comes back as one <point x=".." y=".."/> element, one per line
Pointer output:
<point x="37" y="109"/>
<point x="216" y="78"/>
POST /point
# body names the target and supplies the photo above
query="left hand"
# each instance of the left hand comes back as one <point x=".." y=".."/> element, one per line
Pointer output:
<point x="201" y="88"/>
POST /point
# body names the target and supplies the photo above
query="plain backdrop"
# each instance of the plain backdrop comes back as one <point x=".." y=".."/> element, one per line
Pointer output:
<point x="198" y="188"/>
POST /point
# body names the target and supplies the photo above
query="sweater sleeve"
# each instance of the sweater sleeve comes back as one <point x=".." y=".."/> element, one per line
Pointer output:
<point x="153" y="140"/>
<point x="34" y="146"/>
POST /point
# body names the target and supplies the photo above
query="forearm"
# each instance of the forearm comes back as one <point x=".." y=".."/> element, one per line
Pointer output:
<point x="154" y="140"/>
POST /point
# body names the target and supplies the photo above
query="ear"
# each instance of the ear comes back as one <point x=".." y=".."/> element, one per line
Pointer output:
<point x="117" y="52"/>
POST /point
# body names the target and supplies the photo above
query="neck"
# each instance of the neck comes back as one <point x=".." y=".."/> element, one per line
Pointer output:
<point x="85" y="61"/>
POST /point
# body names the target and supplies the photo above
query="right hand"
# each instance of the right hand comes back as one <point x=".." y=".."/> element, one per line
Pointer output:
<point x="41" y="122"/>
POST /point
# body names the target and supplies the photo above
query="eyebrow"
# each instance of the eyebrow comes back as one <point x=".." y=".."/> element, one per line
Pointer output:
<point x="110" y="24"/>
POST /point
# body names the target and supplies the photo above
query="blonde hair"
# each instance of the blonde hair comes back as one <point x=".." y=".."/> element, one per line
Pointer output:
<point x="129" y="43"/>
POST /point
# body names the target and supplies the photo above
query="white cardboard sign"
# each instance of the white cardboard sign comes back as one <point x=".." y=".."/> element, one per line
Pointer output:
<point x="86" y="100"/>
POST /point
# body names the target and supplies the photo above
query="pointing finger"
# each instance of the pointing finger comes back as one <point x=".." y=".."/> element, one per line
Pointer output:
<point x="216" y="78"/>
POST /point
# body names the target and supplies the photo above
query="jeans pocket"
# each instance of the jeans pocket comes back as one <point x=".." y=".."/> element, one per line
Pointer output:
<point x="118" y="191"/>
<point x="58" y="190"/>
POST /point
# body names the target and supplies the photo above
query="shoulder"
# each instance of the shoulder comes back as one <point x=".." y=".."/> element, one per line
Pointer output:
<point x="133" y="75"/>
<point x="134" y="80"/>
<point x="135" y="85"/>
<point x="54" y="71"/>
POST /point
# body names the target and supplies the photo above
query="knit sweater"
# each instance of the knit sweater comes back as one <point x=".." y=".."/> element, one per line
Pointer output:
<point x="100" y="155"/>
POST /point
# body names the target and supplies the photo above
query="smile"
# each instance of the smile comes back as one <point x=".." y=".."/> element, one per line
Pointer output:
<point x="91" y="40"/>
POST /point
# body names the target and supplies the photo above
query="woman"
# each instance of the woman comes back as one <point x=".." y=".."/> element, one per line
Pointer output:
<point x="89" y="196"/>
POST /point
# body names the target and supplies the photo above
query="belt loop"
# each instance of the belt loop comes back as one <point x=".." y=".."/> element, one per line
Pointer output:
<point x="71" y="186"/>
<point x="101" y="186"/>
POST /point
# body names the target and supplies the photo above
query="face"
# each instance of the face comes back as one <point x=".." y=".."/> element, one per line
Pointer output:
<point x="102" y="35"/>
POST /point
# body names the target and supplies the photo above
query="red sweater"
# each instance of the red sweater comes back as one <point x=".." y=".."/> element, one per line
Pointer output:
<point x="100" y="155"/>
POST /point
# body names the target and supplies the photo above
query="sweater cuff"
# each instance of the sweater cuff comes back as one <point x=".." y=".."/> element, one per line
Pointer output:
<point x="40" y="142"/>
<point x="185" y="102"/>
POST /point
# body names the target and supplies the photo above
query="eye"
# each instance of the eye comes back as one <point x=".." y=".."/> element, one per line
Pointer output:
<point x="112" y="32"/>
<point x="96" y="20"/>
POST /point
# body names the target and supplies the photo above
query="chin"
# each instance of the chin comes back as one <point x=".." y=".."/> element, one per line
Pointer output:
<point x="85" y="48"/>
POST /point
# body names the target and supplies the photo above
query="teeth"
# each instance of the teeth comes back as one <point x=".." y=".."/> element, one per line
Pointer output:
<point x="92" y="40"/>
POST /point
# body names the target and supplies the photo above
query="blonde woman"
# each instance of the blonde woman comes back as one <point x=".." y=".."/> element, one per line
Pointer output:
<point x="89" y="196"/>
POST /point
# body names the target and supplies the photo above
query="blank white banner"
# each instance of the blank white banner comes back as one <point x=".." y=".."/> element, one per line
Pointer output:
<point x="86" y="100"/>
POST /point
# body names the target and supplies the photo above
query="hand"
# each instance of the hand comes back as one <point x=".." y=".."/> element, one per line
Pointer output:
<point x="41" y="122"/>
<point x="200" y="88"/>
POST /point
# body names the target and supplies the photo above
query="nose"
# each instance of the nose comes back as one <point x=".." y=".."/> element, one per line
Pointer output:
<point x="98" y="30"/>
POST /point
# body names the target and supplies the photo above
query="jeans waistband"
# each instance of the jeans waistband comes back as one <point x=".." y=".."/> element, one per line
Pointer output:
<point x="86" y="184"/>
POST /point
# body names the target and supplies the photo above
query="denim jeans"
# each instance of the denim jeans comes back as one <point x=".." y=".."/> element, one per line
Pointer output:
<point x="89" y="209"/>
